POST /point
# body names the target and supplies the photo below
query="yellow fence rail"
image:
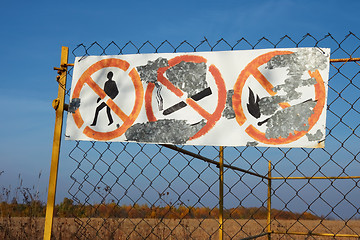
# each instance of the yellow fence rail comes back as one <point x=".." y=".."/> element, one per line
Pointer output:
<point x="58" y="105"/>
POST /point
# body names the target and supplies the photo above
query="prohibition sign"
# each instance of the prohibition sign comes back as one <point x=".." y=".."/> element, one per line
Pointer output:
<point x="211" y="118"/>
<point x="128" y="120"/>
<point x="252" y="69"/>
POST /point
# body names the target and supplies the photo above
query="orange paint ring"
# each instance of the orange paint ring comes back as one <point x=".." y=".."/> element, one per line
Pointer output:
<point x="148" y="108"/>
<point x="128" y="120"/>
<point x="251" y="130"/>
<point x="211" y="118"/>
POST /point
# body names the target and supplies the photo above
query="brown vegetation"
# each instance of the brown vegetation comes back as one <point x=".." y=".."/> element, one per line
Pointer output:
<point x="25" y="220"/>
<point x="97" y="228"/>
<point x="111" y="221"/>
<point x="67" y="208"/>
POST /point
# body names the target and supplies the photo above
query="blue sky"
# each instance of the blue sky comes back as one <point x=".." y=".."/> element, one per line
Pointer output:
<point x="32" y="33"/>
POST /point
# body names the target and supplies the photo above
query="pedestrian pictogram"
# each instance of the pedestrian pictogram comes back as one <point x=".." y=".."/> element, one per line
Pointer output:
<point x="252" y="69"/>
<point x="107" y="96"/>
<point x="191" y="101"/>
<point x="112" y="91"/>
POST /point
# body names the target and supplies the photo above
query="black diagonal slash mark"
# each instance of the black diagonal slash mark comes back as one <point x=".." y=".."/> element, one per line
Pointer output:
<point x="204" y="93"/>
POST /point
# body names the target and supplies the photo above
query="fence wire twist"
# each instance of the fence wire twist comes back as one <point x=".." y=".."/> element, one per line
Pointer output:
<point x="146" y="191"/>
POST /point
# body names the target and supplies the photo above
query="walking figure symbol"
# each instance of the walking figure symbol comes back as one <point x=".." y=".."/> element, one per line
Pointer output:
<point x="112" y="91"/>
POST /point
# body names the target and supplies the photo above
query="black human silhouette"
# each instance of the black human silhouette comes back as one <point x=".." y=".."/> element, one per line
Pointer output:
<point x="112" y="91"/>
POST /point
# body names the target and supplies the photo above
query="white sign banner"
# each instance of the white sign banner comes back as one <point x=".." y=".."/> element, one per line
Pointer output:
<point x="270" y="97"/>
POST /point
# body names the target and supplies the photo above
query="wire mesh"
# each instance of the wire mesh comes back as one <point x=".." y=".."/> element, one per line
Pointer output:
<point x="148" y="191"/>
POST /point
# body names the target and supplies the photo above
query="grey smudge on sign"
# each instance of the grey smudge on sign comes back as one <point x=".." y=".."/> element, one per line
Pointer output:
<point x="316" y="136"/>
<point x="188" y="76"/>
<point x="252" y="144"/>
<point x="269" y="105"/>
<point x="294" y="118"/>
<point x="286" y="121"/>
<point x="291" y="84"/>
<point x="229" y="112"/>
<point x="302" y="60"/>
<point x="163" y="131"/>
<point x="74" y="104"/>
<point x="297" y="64"/>
<point x="148" y="72"/>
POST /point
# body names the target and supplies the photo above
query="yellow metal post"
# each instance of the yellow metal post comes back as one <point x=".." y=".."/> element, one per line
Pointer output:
<point x="221" y="193"/>
<point x="58" y="105"/>
<point x="269" y="203"/>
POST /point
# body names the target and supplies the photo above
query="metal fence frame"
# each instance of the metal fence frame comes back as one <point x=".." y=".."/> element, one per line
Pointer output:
<point x="60" y="106"/>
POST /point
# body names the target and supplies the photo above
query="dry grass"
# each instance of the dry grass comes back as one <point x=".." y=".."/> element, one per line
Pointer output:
<point x="97" y="228"/>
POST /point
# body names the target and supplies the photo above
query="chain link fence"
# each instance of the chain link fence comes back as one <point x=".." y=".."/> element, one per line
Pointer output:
<point x="148" y="191"/>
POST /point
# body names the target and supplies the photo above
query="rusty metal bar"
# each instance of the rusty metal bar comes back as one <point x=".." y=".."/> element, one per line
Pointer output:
<point x="311" y="178"/>
<point x="58" y="105"/>
<point x="331" y="60"/>
<point x="345" y="60"/>
<point x="256" y="236"/>
<point x="205" y="159"/>
<point x="318" y="234"/>
<point x="221" y="193"/>
<point x="268" y="228"/>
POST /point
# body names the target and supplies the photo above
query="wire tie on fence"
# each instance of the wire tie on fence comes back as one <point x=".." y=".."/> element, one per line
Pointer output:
<point x="61" y="69"/>
<point x="323" y="52"/>
<point x="82" y="57"/>
<point x="56" y="103"/>
<point x="66" y="107"/>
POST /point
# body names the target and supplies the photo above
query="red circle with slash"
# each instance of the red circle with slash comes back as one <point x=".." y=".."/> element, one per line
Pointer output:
<point x="128" y="120"/>
<point x="211" y="118"/>
<point x="252" y="69"/>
